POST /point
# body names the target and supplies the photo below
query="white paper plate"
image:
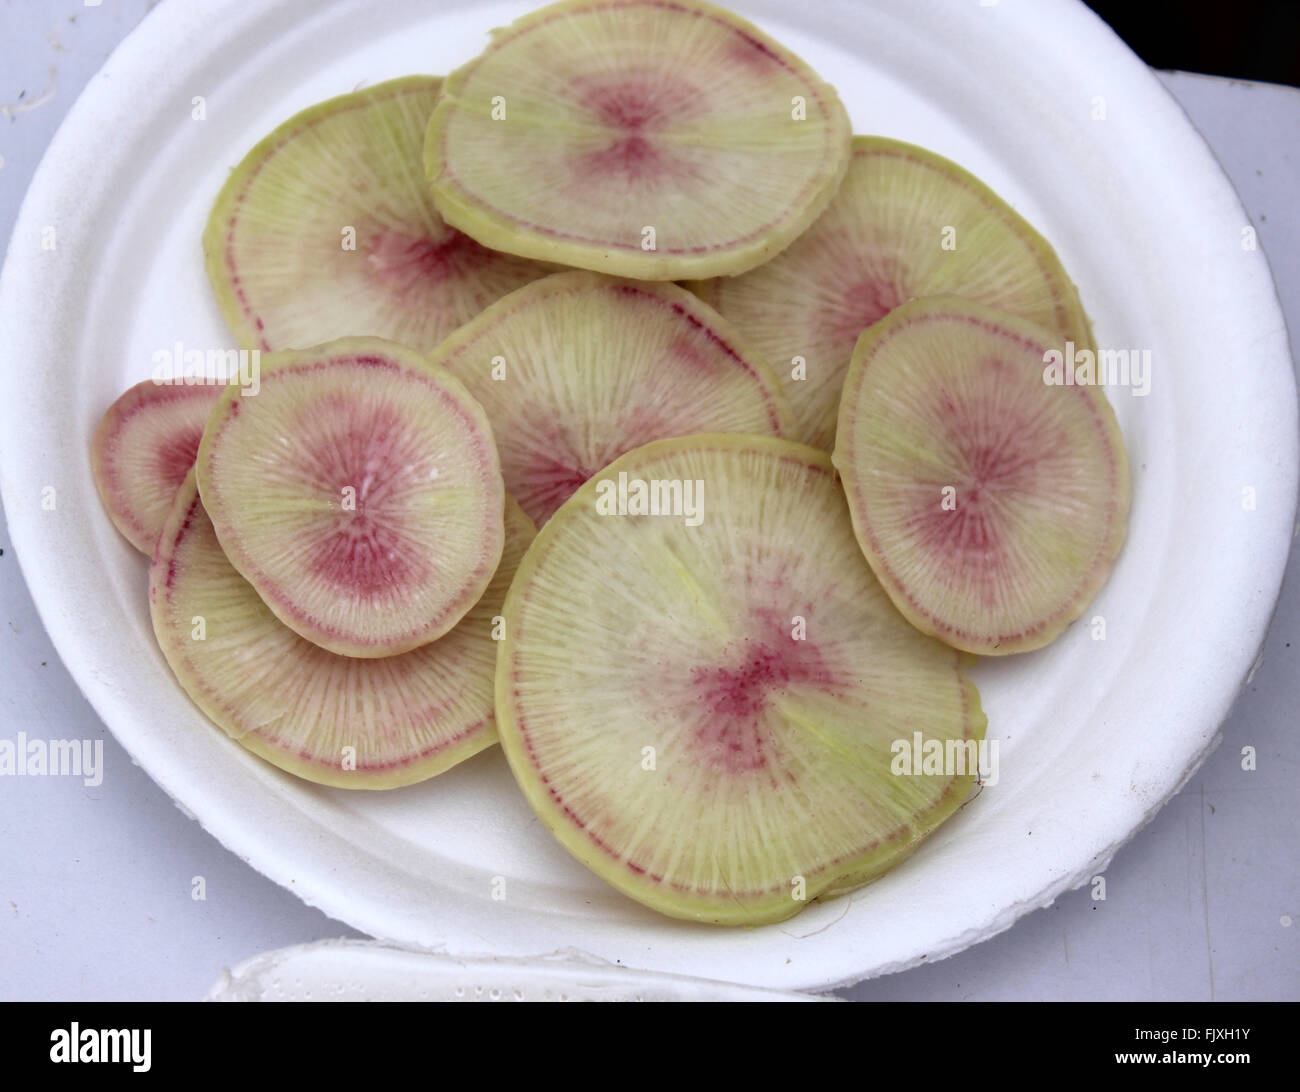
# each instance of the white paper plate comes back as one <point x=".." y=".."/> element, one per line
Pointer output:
<point x="1094" y="735"/>
<point x="356" y="970"/>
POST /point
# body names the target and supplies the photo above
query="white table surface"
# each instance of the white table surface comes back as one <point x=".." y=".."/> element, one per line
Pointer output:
<point x="95" y="883"/>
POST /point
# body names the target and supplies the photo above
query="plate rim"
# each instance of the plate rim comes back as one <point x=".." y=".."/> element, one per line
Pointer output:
<point x="140" y="53"/>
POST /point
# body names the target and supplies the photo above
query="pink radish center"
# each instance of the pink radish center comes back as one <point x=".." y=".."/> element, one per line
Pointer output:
<point x="996" y="466"/>
<point x="407" y="261"/>
<point x="551" y="474"/>
<point x="362" y="556"/>
<point x="551" y="481"/>
<point x="636" y="107"/>
<point x="176" y="454"/>
<point x="734" y="700"/>
<point x="369" y="467"/>
<point x="859" y="305"/>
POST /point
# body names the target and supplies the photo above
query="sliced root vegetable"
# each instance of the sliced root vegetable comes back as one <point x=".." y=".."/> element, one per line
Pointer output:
<point x="327" y="229"/>
<point x="656" y="139"/>
<point x="578" y="368"/>
<point x="905" y="223"/>
<point x="143" y="448"/>
<point x="990" y="503"/>
<point x="335" y="720"/>
<point x="358" y="491"/>
<point x="703" y="705"/>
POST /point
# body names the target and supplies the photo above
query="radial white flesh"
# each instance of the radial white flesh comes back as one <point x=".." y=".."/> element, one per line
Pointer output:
<point x="704" y="705"/>
<point x="636" y="137"/>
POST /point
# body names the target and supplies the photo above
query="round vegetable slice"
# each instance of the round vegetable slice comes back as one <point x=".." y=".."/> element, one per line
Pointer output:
<point x="703" y="705"/>
<point x="326" y="229"/>
<point x="358" y="491"/>
<point x="905" y="223"/>
<point x="335" y="720"/>
<point x="143" y="448"/>
<point x="990" y="500"/>
<point x="578" y="368"/>
<point x="656" y="139"/>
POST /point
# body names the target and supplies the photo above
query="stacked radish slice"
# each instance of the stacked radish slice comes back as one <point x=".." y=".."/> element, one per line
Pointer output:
<point x="700" y="668"/>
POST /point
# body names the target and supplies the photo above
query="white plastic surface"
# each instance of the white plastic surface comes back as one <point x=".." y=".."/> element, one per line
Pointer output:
<point x="1094" y="735"/>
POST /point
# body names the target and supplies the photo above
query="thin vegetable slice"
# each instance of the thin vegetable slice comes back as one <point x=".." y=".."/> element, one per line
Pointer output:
<point x="336" y="720"/>
<point x="656" y="139"/>
<point x="326" y="229"/>
<point x="990" y="500"/>
<point x="705" y="686"/>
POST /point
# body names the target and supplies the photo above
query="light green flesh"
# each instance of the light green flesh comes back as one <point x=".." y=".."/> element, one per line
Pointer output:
<point x="642" y="640"/>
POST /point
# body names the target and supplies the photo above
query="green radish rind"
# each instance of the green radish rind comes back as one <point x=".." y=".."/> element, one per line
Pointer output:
<point x="553" y="678"/>
<point x="739" y="298"/>
<point x="861" y="431"/>
<point x="296" y="705"/>
<point x="510" y="231"/>
<point x="374" y="631"/>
